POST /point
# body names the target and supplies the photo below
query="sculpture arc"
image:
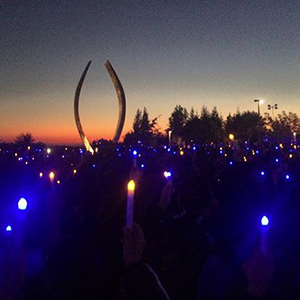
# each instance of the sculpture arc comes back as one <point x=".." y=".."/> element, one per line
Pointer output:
<point x="121" y="98"/>
<point x="76" y="111"/>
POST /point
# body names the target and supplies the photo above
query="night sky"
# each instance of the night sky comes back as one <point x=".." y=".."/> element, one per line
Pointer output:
<point x="193" y="53"/>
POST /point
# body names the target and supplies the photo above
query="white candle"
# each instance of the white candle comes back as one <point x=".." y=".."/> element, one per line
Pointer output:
<point x="130" y="196"/>
<point x="263" y="241"/>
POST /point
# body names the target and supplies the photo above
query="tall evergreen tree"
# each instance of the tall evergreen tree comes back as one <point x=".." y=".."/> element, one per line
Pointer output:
<point x="206" y="128"/>
<point x="246" y="126"/>
<point x="218" y="125"/>
<point x="282" y="128"/>
<point x="177" y="122"/>
<point x="137" y="123"/>
<point x="143" y="128"/>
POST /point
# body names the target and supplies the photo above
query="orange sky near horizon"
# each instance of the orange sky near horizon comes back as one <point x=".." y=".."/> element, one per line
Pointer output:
<point x="49" y="115"/>
<point x="192" y="53"/>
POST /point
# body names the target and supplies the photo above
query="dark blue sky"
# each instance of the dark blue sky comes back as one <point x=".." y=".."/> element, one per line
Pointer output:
<point x="223" y="53"/>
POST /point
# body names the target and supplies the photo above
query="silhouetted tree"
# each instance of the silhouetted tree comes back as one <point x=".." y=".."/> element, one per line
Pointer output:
<point x="24" y="140"/>
<point x="137" y="123"/>
<point x="204" y="129"/>
<point x="177" y="122"/>
<point x="192" y="114"/>
<point x="217" y="126"/>
<point x="294" y="121"/>
<point x="246" y="126"/>
<point x="284" y="125"/>
<point x="143" y="129"/>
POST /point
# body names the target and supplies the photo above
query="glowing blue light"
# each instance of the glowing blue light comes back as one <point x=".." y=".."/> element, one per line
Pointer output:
<point x="94" y="166"/>
<point x="276" y="147"/>
<point x="277" y="160"/>
<point x="287" y="177"/>
<point x="221" y="152"/>
<point x="194" y="148"/>
<point x="167" y="174"/>
<point x="264" y="221"/>
<point x="257" y="151"/>
<point x="22" y="204"/>
<point x="120" y="154"/>
<point x="262" y="173"/>
<point x="169" y="149"/>
<point x="142" y="166"/>
<point x="8" y="228"/>
<point x="231" y="163"/>
<point x="81" y="151"/>
<point x="134" y="152"/>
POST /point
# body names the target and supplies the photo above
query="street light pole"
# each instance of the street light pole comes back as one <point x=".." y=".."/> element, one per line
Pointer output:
<point x="170" y="137"/>
<point x="258" y="110"/>
<point x="275" y="106"/>
<point x="258" y="103"/>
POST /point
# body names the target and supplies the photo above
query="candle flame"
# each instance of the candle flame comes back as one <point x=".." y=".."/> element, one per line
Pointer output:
<point x="131" y="185"/>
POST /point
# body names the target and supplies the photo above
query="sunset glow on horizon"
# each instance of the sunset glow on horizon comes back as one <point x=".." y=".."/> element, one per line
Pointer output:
<point x="188" y="52"/>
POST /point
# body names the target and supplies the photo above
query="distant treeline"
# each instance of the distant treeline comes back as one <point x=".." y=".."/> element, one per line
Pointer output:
<point x="205" y="127"/>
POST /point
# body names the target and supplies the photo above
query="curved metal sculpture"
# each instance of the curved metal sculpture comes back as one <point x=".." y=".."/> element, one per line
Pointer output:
<point x="121" y="99"/>
<point x="83" y="137"/>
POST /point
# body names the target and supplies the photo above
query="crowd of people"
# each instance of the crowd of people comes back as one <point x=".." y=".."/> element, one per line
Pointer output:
<point x="197" y="232"/>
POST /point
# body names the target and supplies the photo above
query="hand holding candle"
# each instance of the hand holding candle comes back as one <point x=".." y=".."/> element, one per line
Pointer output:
<point x="134" y="244"/>
<point x="134" y="152"/>
<point x="130" y="198"/>
<point x="165" y="198"/>
<point x="135" y="174"/>
<point x="264" y="231"/>
<point x="168" y="176"/>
